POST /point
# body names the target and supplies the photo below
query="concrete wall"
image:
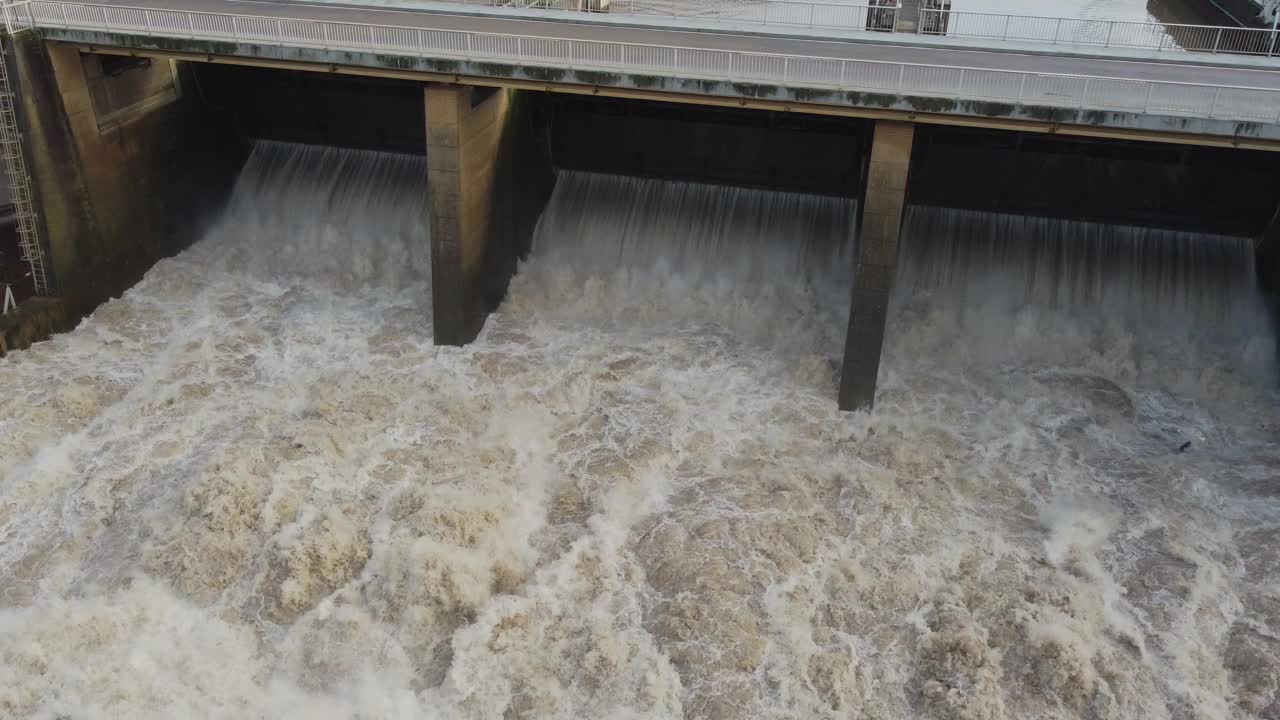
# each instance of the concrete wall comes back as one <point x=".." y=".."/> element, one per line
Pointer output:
<point x="751" y="148"/>
<point x="1160" y="185"/>
<point x="1269" y="255"/>
<point x="315" y="108"/>
<point x="489" y="177"/>
<point x="127" y="166"/>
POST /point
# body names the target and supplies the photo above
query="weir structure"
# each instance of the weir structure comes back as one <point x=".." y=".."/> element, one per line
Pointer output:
<point x="134" y="121"/>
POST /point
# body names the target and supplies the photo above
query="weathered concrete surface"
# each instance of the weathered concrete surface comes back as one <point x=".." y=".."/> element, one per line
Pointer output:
<point x="879" y="226"/>
<point x="316" y="108"/>
<point x="63" y="210"/>
<point x="1268" y="258"/>
<point x="33" y="321"/>
<point x="487" y="183"/>
<point x="671" y="82"/>
<point x="1182" y="187"/>
<point x="795" y="152"/>
<point x="126" y="168"/>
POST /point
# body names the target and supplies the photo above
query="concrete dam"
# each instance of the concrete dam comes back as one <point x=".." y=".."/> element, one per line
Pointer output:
<point x="369" y="387"/>
<point x="180" y="129"/>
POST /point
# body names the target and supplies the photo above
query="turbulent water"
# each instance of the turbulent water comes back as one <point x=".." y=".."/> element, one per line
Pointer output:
<point x="253" y="487"/>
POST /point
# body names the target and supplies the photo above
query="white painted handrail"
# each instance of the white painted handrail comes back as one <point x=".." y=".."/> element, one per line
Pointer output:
<point x="1011" y="87"/>
<point x="879" y="18"/>
<point x="1100" y="33"/>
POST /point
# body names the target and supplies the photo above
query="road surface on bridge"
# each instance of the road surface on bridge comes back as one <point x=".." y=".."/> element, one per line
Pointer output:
<point x="1219" y="75"/>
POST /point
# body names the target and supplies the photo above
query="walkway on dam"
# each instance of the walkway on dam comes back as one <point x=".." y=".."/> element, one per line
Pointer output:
<point x="1170" y="71"/>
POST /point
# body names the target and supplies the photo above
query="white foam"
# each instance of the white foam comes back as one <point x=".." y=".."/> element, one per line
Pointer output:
<point x="253" y="487"/>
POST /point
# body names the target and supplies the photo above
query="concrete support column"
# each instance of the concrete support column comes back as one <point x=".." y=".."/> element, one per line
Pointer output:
<point x="488" y="184"/>
<point x="879" y="225"/>
<point x="124" y="170"/>
<point x="64" y="213"/>
<point x="1268" y="254"/>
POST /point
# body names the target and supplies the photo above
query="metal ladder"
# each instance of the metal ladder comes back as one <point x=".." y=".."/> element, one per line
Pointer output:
<point x="19" y="182"/>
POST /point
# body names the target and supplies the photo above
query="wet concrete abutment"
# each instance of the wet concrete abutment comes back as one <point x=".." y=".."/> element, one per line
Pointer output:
<point x="127" y="164"/>
<point x="488" y="177"/>
<point x="880" y="225"/>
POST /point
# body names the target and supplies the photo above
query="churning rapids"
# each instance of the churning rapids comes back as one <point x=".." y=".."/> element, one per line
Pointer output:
<point x="253" y="487"/>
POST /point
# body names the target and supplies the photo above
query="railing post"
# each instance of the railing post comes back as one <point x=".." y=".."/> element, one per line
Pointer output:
<point x="1022" y="88"/>
<point x="1217" y="40"/>
<point x="1004" y="35"/>
<point x="902" y="77"/>
<point x="324" y="34"/>
<point x="235" y="28"/>
<point x="810" y="14"/>
<point x="786" y="68"/>
<point x="960" y="85"/>
<point x="1110" y="27"/>
<point x="1146" y="104"/>
<point x="280" y="30"/>
<point x="1057" y="29"/>
<point x="1084" y="93"/>
<point x="146" y="20"/>
<point x="65" y="22"/>
<point x="191" y="24"/>
<point x="1214" y="105"/>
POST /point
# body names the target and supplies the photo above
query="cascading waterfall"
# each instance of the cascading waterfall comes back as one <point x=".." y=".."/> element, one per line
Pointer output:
<point x="1127" y="270"/>
<point x="776" y="268"/>
<point x="772" y="266"/>
<point x="704" y="232"/>
<point x="1153" y="305"/>
<point x="353" y="217"/>
<point x="254" y="487"/>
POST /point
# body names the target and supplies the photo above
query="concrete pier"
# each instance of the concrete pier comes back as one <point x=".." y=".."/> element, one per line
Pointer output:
<point x="127" y="168"/>
<point x="488" y="183"/>
<point x="879" y="226"/>
<point x="1268" y="254"/>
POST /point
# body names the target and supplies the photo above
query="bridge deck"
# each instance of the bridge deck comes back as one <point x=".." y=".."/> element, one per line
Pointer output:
<point x="996" y="60"/>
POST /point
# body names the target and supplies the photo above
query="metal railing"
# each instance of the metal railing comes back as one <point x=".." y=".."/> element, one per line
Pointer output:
<point x="768" y="12"/>
<point x="1100" y="33"/>
<point x="15" y="21"/>
<point x="15" y="169"/>
<point x="867" y="76"/>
